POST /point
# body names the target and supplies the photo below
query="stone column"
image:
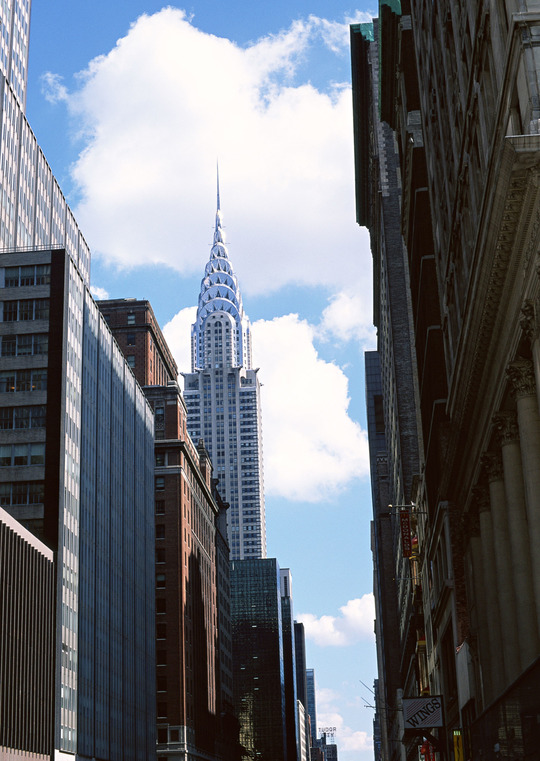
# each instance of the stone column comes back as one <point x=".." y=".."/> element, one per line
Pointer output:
<point x="521" y="374"/>
<point x="508" y="437"/>
<point x="478" y="586"/>
<point x="503" y="564"/>
<point x="491" y="598"/>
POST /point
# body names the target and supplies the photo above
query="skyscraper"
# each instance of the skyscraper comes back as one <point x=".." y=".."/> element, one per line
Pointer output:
<point x="33" y="210"/>
<point x="77" y="470"/>
<point x="222" y="395"/>
<point x="258" y="659"/>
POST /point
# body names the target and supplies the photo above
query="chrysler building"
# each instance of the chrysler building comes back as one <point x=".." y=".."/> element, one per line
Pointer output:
<point x="222" y="395"/>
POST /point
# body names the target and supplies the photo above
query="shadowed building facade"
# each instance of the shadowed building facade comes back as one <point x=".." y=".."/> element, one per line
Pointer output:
<point x="195" y="714"/>
<point x="458" y="85"/>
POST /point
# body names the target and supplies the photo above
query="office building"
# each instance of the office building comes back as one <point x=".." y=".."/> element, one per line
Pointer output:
<point x="195" y="714"/>
<point x="258" y="660"/>
<point x="27" y="570"/>
<point x="289" y="664"/>
<point x="304" y="731"/>
<point x="77" y="471"/>
<point x="33" y="210"/>
<point x="458" y="86"/>
<point x="222" y="395"/>
<point x="312" y="706"/>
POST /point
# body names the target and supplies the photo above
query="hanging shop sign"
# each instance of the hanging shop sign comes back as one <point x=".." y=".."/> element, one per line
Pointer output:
<point x="406" y="539"/>
<point x="423" y="713"/>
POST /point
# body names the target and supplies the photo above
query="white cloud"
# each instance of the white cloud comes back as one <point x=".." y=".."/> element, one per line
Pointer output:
<point x="312" y="447"/>
<point x="177" y="333"/>
<point x="354" y="624"/>
<point x="348" y="317"/>
<point x="328" y="715"/>
<point x="99" y="293"/>
<point x="151" y="135"/>
<point x="52" y="88"/>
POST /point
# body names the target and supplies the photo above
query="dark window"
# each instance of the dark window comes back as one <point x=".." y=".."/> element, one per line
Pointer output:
<point x="131" y="339"/>
<point x="161" y="606"/>
<point x="161" y="631"/>
<point x="160" y="483"/>
<point x="131" y="319"/>
<point x="160" y="506"/>
<point x="160" y="532"/>
<point x="379" y="413"/>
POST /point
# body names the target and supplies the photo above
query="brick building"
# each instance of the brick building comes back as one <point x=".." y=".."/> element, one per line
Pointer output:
<point x="193" y="631"/>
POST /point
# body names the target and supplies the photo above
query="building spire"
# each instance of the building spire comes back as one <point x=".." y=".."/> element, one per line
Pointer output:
<point x="217" y="173"/>
<point x="219" y="236"/>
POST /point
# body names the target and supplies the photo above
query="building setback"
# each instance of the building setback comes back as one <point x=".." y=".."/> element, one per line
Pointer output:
<point x="222" y="395"/>
<point x="77" y="471"/>
<point x="459" y="90"/>
<point x="193" y="630"/>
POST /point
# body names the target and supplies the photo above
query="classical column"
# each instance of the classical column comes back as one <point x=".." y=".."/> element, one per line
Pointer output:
<point x="521" y="374"/>
<point x="503" y="564"/>
<point x="480" y="620"/>
<point x="521" y="573"/>
<point x="491" y="597"/>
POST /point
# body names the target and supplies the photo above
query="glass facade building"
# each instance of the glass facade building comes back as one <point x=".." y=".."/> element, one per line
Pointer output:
<point x="76" y="436"/>
<point x="222" y="395"/>
<point x="33" y="210"/>
<point x="259" y="684"/>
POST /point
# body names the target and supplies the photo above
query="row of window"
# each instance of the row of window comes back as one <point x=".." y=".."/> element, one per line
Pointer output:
<point x="24" y="345"/>
<point x="22" y="454"/>
<point x="35" y="274"/>
<point x="23" y="380"/>
<point x="21" y="493"/>
<point x="25" y="309"/>
<point x="23" y="417"/>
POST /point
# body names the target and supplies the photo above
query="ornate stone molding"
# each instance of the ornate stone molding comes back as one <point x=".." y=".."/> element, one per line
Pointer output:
<point x="481" y="498"/>
<point x="506" y="426"/>
<point x="492" y="464"/>
<point x="528" y="320"/>
<point x="521" y="375"/>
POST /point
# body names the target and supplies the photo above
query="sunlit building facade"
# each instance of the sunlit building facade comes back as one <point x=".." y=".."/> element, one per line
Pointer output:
<point x="33" y="210"/>
<point x="76" y="438"/>
<point x="222" y="395"/>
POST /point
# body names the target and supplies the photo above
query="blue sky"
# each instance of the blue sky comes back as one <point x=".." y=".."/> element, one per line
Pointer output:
<point x="132" y="113"/>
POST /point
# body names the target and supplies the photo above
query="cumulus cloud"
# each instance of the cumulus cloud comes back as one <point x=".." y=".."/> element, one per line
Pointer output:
<point x="354" y="623"/>
<point x="348" y="317"/>
<point x="329" y="715"/>
<point x="151" y="134"/>
<point x="99" y="293"/>
<point x="312" y="447"/>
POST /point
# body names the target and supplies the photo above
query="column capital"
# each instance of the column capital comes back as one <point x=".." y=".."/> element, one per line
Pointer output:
<point x="528" y="320"/>
<point x="492" y="464"/>
<point x="481" y="498"/>
<point x="521" y="375"/>
<point x="506" y="426"/>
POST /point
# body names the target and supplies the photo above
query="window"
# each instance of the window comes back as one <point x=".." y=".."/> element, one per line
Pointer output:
<point x="39" y="274"/>
<point x="131" y="339"/>
<point x="160" y="459"/>
<point x="160" y="556"/>
<point x="160" y="483"/>
<point x="160" y="506"/>
<point x="160" y="531"/>
<point x="131" y="360"/>
<point x="131" y="319"/>
<point x="161" y="605"/>
<point x="23" y="380"/>
<point x="160" y="580"/>
<point x="22" y="417"/>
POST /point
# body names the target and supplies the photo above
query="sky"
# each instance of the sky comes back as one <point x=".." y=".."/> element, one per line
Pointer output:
<point x="134" y="103"/>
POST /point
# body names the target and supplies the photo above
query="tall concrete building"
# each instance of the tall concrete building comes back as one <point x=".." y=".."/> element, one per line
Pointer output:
<point x="222" y="395"/>
<point x="458" y="84"/>
<point x="76" y="437"/>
